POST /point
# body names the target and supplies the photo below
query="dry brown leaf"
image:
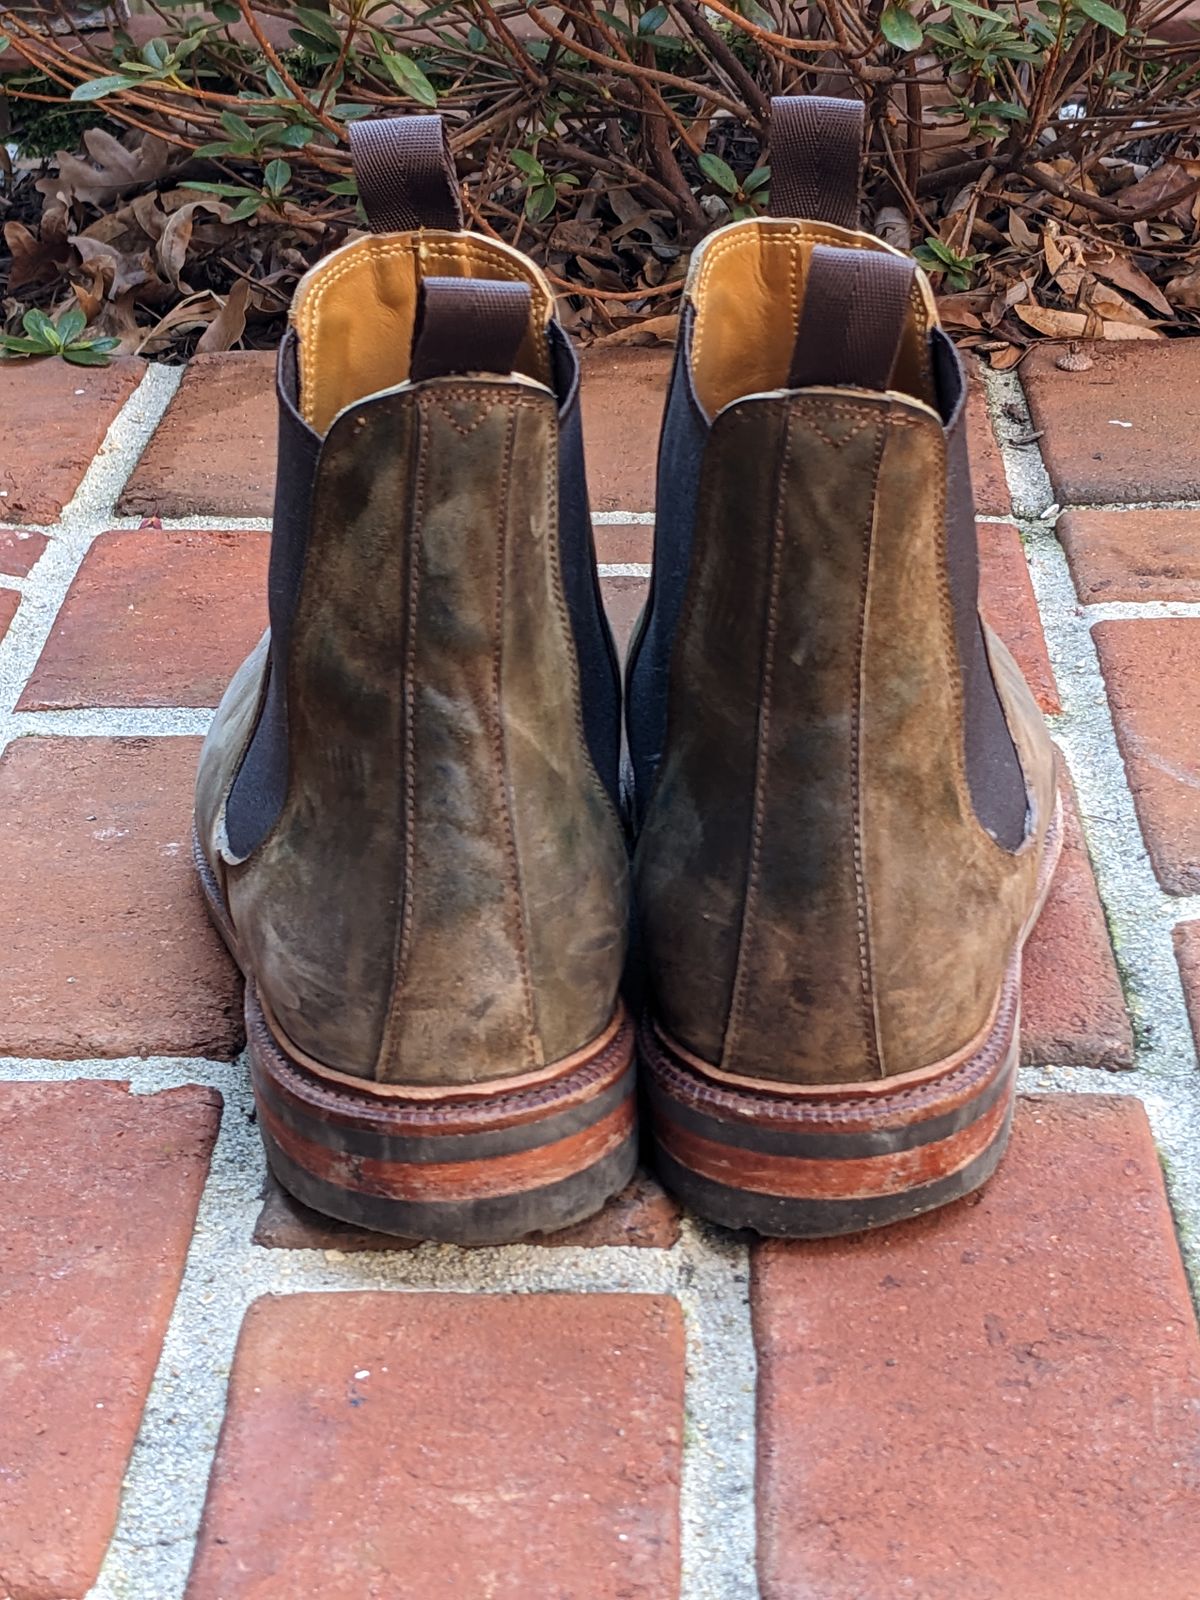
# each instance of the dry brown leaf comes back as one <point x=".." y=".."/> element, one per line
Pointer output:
<point x="1053" y="323"/>
<point x="113" y="170"/>
<point x="1019" y="231"/>
<point x="651" y="330"/>
<point x="1185" y="290"/>
<point x="1122" y="272"/>
<point x="1105" y="300"/>
<point x="229" y="324"/>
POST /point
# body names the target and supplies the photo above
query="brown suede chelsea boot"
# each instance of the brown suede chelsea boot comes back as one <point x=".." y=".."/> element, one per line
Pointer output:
<point x="405" y="813"/>
<point x="846" y="796"/>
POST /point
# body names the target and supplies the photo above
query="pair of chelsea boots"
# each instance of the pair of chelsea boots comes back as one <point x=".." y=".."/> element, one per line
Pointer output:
<point x="415" y="808"/>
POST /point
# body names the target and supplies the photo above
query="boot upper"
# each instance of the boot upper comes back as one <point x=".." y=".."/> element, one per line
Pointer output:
<point x="408" y="814"/>
<point x="843" y="784"/>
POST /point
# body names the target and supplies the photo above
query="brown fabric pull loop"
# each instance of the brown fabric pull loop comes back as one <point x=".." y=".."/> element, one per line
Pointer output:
<point x="855" y="312"/>
<point x="469" y="325"/>
<point x="816" y="158"/>
<point x="405" y="172"/>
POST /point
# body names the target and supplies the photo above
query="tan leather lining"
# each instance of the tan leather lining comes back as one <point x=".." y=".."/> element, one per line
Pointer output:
<point x="354" y="313"/>
<point x="747" y="284"/>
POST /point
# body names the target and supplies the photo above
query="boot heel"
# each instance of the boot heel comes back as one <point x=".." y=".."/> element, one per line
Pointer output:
<point x="472" y="1167"/>
<point x="808" y="1166"/>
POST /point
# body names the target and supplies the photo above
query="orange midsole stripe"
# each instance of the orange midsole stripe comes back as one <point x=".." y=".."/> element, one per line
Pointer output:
<point x="831" y="1179"/>
<point x="455" y="1180"/>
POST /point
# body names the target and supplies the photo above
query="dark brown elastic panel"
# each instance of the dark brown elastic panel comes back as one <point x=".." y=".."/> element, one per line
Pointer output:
<point x="855" y="312"/>
<point x="405" y="172"/>
<point x="469" y="325"/>
<point x="816" y="154"/>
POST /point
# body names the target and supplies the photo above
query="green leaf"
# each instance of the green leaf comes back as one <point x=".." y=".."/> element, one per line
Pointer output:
<point x="16" y="346"/>
<point x="156" y="53"/>
<point x="71" y="324"/>
<point x="225" y="12"/>
<point x="343" y="186"/>
<point x="85" y="355"/>
<point x="295" y="137"/>
<point x="97" y="88"/>
<point x="718" y="172"/>
<point x="246" y="208"/>
<point x="278" y="88"/>
<point x="277" y="176"/>
<point x="216" y="150"/>
<point x="972" y="9"/>
<point x="530" y="165"/>
<point x="407" y="75"/>
<point x="540" y="202"/>
<point x="38" y="325"/>
<point x="228" y="191"/>
<point x="237" y="126"/>
<point x="900" y="29"/>
<point x="317" y="22"/>
<point x="1107" y="16"/>
<point x="758" y="179"/>
<point x="653" y="19"/>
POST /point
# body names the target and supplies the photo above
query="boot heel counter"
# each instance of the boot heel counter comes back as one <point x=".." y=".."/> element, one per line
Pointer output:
<point x="401" y="919"/>
<point x="795" y="701"/>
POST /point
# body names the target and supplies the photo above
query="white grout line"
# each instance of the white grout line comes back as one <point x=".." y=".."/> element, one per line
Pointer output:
<point x="1139" y="610"/>
<point x="622" y="519"/>
<point x="624" y="569"/>
<point x="1141" y="915"/>
<point x="164" y="1489"/>
<point x="112" y="722"/>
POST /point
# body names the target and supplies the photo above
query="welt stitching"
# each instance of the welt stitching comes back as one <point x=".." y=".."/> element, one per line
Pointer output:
<point x="870" y="1009"/>
<point x="532" y="1041"/>
<point x="750" y="904"/>
<point x="389" y="1045"/>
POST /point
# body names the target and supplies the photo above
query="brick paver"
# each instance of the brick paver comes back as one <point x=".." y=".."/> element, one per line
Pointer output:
<point x="1008" y="605"/>
<point x="624" y="395"/>
<point x="643" y="1216"/>
<point x="108" y="951"/>
<point x="98" y="1194"/>
<point x="1133" y="555"/>
<point x="1072" y="1008"/>
<point x="349" y="1466"/>
<point x="214" y="451"/>
<point x="623" y="601"/>
<point x="624" y="542"/>
<point x="997" y="1402"/>
<point x="1123" y="431"/>
<point x="9" y="601"/>
<point x="20" y="551"/>
<point x="53" y="418"/>
<point x="1187" y="951"/>
<point x="154" y="619"/>
<point x="1152" y="669"/>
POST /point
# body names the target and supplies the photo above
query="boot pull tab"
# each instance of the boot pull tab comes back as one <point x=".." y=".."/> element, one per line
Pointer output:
<point x="469" y="325"/>
<point x="856" y="305"/>
<point x="405" y="173"/>
<point x="816" y="156"/>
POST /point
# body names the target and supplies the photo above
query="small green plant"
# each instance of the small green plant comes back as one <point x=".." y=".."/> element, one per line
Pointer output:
<point x="61" y="338"/>
<point x="542" y="191"/>
<point x="937" y="257"/>
<point x="250" y="201"/>
<point x="747" y="196"/>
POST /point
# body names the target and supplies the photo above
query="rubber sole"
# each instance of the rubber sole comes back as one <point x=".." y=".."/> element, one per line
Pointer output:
<point x="482" y="1165"/>
<point x="812" y="1162"/>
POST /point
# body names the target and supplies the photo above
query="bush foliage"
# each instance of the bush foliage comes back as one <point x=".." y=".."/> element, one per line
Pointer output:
<point x="1040" y="156"/>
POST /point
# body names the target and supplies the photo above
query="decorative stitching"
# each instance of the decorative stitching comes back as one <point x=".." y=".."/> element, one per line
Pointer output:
<point x="749" y="905"/>
<point x="389" y="1045"/>
<point x="872" y="1033"/>
<point x="532" y="1038"/>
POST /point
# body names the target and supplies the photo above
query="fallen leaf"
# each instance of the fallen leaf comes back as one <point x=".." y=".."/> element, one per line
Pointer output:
<point x="229" y="324"/>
